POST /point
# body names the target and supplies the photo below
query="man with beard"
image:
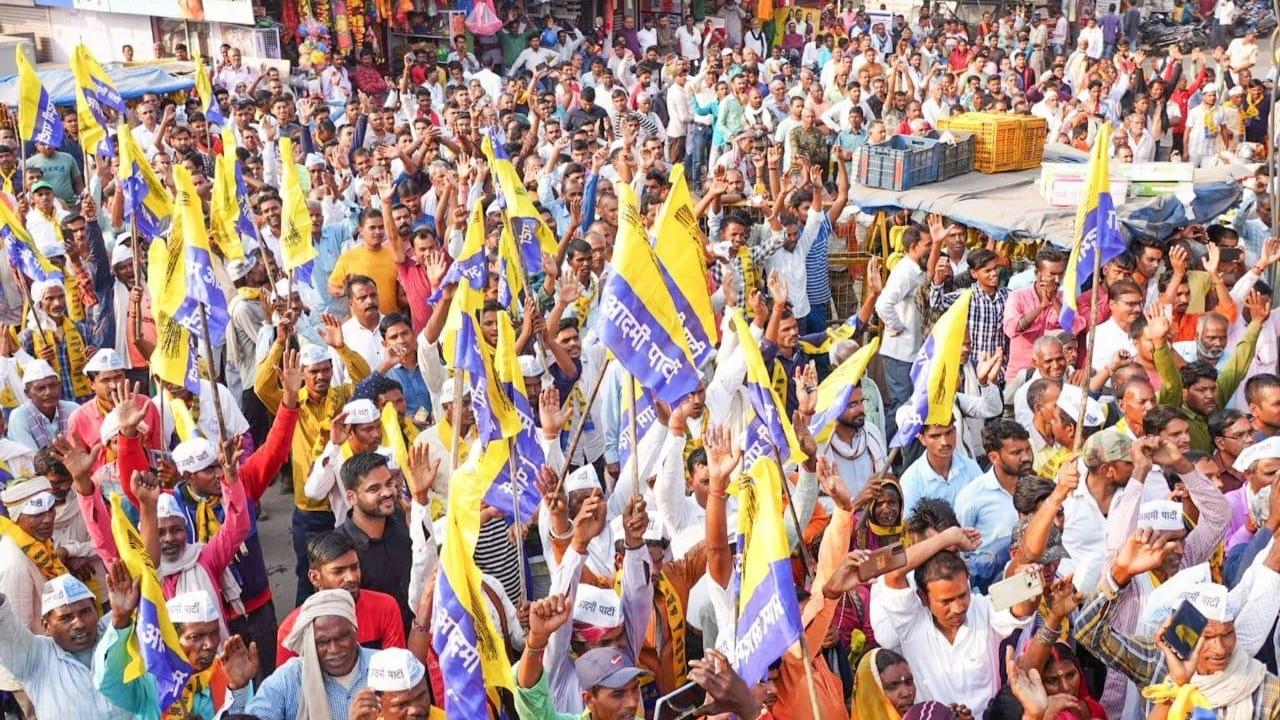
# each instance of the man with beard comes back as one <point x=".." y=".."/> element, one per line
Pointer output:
<point x="398" y="684"/>
<point x="1210" y="343"/>
<point x="987" y="502"/>
<point x="378" y="528"/>
<point x="334" y="565"/>
<point x="51" y="335"/>
<point x="1197" y="387"/>
<point x="373" y="258"/>
<point x="55" y="667"/>
<point x="857" y="449"/>
<point x="196" y="621"/>
<point x="357" y="429"/>
<point x="43" y="417"/>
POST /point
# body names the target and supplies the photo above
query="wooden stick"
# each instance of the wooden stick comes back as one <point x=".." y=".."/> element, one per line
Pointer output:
<point x="635" y="441"/>
<point x="1088" y="355"/>
<point x="808" y="671"/>
<point x="459" y="389"/>
<point x="795" y="517"/>
<point x="515" y="510"/>
<point x="217" y="403"/>
<point x="137" y="269"/>
<point x="577" y="431"/>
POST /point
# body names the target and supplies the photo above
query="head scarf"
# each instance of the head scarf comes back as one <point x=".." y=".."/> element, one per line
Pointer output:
<point x="870" y="536"/>
<point x="302" y="641"/>
<point x="1062" y="653"/>
<point x="869" y="700"/>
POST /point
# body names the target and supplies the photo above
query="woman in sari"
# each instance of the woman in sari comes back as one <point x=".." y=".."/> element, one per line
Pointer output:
<point x="886" y="689"/>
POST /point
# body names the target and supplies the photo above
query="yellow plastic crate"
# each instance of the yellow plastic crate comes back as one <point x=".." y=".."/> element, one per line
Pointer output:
<point x="1005" y="142"/>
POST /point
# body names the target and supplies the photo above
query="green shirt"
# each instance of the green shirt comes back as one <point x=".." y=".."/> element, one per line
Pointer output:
<point x="513" y="44"/>
<point x="60" y="171"/>
<point x="535" y="703"/>
<point x="1228" y="381"/>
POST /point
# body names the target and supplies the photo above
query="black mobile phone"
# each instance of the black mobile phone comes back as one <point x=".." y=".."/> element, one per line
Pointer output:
<point x="886" y="559"/>
<point x="1185" y="630"/>
<point x="680" y="704"/>
<point x="1230" y="255"/>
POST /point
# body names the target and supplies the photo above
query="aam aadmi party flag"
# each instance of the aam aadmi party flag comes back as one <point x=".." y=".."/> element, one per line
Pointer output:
<point x="175" y="359"/>
<point x="153" y="645"/>
<point x="640" y="402"/>
<point x="1097" y="228"/>
<point x="768" y="407"/>
<point x="472" y="653"/>
<point x="202" y="287"/>
<point x="23" y="254"/>
<point x="296" y="247"/>
<point x="517" y="478"/>
<point x="224" y="209"/>
<point x="679" y="247"/>
<point x="95" y="94"/>
<point x="935" y="373"/>
<point x="510" y="267"/>
<point x="834" y="392"/>
<point x="532" y="235"/>
<point x="245" y="220"/>
<point x="639" y="323"/>
<point x="204" y="88"/>
<point x="147" y="202"/>
<point x="38" y="118"/>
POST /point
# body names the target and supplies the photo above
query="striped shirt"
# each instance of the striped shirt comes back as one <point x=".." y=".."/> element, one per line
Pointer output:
<point x="816" y="269"/>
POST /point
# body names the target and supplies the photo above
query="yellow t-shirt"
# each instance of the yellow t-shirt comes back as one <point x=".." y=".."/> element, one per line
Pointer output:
<point x="378" y="264"/>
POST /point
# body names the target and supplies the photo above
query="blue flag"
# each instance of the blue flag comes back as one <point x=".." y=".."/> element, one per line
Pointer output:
<point x="1097" y="228"/>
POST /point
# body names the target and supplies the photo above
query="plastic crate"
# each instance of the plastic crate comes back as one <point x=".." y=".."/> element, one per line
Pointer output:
<point x="1004" y="142"/>
<point x="899" y="163"/>
<point x="957" y="158"/>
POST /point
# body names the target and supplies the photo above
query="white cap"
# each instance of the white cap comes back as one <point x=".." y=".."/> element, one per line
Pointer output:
<point x="314" y="159"/>
<point x="237" y="269"/>
<point x="167" y="507"/>
<point x="28" y="497"/>
<point x="449" y="390"/>
<point x="311" y="354"/>
<point x="652" y="531"/>
<point x="53" y="250"/>
<point x="1160" y="515"/>
<point x="194" y="455"/>
<point x="1210" y="599"/>
<point x="597" y="607"/>
<point x="192" y="607"/>
<point x="1235" y="90"/>
<point x="62" y="591"/>
<point x="1069" y="402"/>
<point x="394" y="670"/>
<point x="283" y="288"/>
<point x="390" y="455"/>
<point x="40" y="288"/>
<point x="584" y="478"/>
<point x="110" y="426"/>
<point x="361" y="412"/>
<point x="531" y="366"/>
<point x="105" y="360"/>
<point x="37" y="370"/>
<point x="121" y="253"/>
<point x="1268" y="449"/>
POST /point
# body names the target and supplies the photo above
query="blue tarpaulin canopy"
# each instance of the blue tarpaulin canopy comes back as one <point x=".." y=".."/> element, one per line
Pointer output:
<point x="132" y="82"/>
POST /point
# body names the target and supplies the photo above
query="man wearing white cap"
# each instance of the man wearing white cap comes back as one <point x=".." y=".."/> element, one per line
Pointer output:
<point x="195" y="621"/>
<point x="440" y="436"/>
<point x="321" y="402"/>
<point x="331" y="668"/>
<point x="115" y="317"/>
<point x="106" y="372"/>
<point x="399" y="680"/>
<point x="44" y="415"/>
<point x="1260" y="465"/>
<point x="248" y="310"/>
<point x="51" y="335"/>
<point x="357" y="429"/>
<point x="55" y="666"/>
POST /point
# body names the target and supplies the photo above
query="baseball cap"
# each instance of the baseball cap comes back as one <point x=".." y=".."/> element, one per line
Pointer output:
<point x="1107" y="446"/>
<point x="41" y="185"/>
<point x="606" y="667"/>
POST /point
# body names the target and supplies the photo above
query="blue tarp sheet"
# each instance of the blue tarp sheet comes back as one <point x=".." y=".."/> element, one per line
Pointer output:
<point x="1008" y="206"/>
<point x="132" y="82"/>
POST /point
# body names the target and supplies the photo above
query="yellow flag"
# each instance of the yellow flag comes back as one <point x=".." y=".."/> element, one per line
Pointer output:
<point x="295" y="225"/>
<point x="393" y="437"/>
<point x="679" y="247"/>
<point x="38" y="119"/>
<point x="171" y="360"/>
<point x="183" y="423"/>
<point x="147" y="200"/>
<point x="95" y="94"/>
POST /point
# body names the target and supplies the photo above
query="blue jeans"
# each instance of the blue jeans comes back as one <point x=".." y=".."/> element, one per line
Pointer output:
<point x="897" y="375"/>
<point x="698" y="151"/>
<point x="306" y="525"/>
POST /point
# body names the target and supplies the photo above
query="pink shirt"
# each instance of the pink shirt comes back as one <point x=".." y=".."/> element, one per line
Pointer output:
<point x="1019" y="304"/>
<point x="85" y="425"/>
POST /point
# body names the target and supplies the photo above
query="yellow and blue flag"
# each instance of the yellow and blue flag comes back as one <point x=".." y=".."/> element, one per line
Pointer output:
<point x="95" y="94"/>
<point x="23" y="254"/>
<point x="202" y="286"/>
<point x="244" y="221"/>
<point x="511" y="272"/>
<point x="639" y="322"/>
<point x="769" y="618"/>
<point x="153" y="644"/>
<point x="204" y="88"/>
<point x="533" y="237"/>
<point x="224" y="209"/>
<point x="175" y="359"/>
<point x="473" y="659"/>
<point x="146" y="200"/>
<point x="528" y="455"/>
<point x="640" y="402"/>
<point x="770" y="411"/>
<point x="679" y="247"/>
<point x="38" y="118"/>
<point x="834" y="392"/>
<point x="1097" y="228"/>
<point x="935" y="373"/>
<point x="296" y="246"/>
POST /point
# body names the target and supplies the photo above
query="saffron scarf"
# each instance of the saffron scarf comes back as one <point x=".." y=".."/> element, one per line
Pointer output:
<point x="42" y="554"/>
<point x="41" y="338"/>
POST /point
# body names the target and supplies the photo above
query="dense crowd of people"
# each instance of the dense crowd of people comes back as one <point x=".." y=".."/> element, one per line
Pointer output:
<point x="409" y="300"/>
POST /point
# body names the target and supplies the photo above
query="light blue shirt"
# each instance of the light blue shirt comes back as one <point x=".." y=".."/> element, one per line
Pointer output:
<point x="29" y="426"/>
<point x="921" y="481"/>
<point x="59" y="683"/>
<point x="281" y="691"/>
<point x="987" y="506"/>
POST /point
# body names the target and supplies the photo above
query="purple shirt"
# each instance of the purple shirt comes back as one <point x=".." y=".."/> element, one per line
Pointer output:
<point x="1110" y="24"/>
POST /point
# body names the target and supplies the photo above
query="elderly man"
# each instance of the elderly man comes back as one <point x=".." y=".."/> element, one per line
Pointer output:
<point x="1047" y="361"/>
<point x="51" y="335"/>
<point x="55" y="667"/>
<point x="397" y="685"/>
<point x="28" y="557"/>
<point x="196" y="621"/>
<point x="43" y="417"/>
<point x="330" y="670"/>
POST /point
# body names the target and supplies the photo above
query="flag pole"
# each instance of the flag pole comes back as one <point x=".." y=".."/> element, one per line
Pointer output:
<point x="518" y="540"/>
<point x="137" y="268"/>
<point x="635" y="440"/>
<point x="808" y="666"/>
<point x="459" y="389"/>
<point x="577" y="431"/>
<point x="795" y="517"/>
<point x="1088" y="354"/>
<point x="217" y="400"/>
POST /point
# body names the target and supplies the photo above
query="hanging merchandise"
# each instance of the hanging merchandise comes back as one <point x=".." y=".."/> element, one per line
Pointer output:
<point x="341" y="26"/>
<point x="483" y="20"/>
<point x="357" y="14"/>
<point x="323" y="13"/>
<point x="289" y="20"/>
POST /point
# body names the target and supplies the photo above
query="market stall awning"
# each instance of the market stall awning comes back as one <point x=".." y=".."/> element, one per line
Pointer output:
<point x="132" y="82"/>
<point x="1008" y="206"/>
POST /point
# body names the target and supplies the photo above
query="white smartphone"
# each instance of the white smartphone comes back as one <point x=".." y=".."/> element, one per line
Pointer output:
<point x="1019" y="588"/>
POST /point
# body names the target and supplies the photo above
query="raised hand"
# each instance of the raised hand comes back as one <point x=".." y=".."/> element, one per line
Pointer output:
<point x="1211" y="262"/>
<point x="124" y="592"/>
<point x="1026" y="687"/>
<point x="74" y="456"/>
<point x="291" y="378"/>
<point x="1179" y="260"/>
<point x="130" y="412"/>
<point x="339" y="430"/>
<point x="365" y="705"/>
<point x="777" y="288"/>
<point x="834" y="486"/>
<point x="239" y="660"/>
<point x="331" y="332"/>
<point x="723" y="456"/>
<point x="145" y="487"/>
<point x="1259" y="307"/>
<point x="1063" y="600"/>
<point x="729" y="692"/>
<point x="635" y="519"/>
<point x="1145" y="550"/>
<point x="549" y="486"/>
<point x="437" y="267"/>
<point x="806" y="378"/>
<point x="568" y="291"/>
<point x="423" y="472"/>
<point x="551" y="413"/>
<point x="846" y="578"/>
<point x="1158" y="326"/>
<point x="590" y="521"/>
<point x="875" y="280"/>
<point x="547" y="616"/>
<point x="1180" y="671"/>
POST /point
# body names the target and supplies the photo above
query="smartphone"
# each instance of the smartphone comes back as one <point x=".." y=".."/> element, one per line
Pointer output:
<point x="1184" y="632"/>
<point x="680" y="704"/>
<point x="886" y="559"/>
<point x="158" y="458"/>
<point x="1019" y="588"/>
<point x="1230" y="255"/>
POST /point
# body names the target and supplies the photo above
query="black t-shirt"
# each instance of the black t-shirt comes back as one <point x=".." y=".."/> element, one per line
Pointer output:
<point x="385" y="561"/>
<point x="581" y="117"/>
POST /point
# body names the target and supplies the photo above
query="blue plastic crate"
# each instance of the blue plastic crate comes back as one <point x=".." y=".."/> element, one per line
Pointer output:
<point x="899" y="163"/>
